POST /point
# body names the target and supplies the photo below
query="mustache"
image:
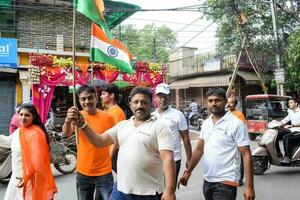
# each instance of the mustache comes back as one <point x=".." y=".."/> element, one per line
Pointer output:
<point x="140" y="109"/>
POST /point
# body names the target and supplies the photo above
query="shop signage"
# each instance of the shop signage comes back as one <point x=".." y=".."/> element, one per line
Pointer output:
<point x="8" y="52"/>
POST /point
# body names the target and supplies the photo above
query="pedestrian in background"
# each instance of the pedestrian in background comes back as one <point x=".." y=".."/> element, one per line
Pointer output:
<point x="231" y="106"/>
<point x="94" y="171"/>
<point x="146" y="169"/>
<point x="177" y="123"/>
<point x="31" y="177"/>
<point x="109" y="98"/>
<point x="222" y="139"/>
<point x="14" y="122"/>
<point x="193" y="108"/>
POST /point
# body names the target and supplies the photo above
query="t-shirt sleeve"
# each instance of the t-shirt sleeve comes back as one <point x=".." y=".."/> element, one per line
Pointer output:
<point x="241" y="135"/>
<point x="113" y="132"/>
<point x="182" y="122"/>
<point x="164" y="138"/>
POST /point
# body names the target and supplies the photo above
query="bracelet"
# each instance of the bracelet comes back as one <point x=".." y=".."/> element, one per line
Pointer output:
<point x="83" y="126"/>
<point x="187" y="172"/>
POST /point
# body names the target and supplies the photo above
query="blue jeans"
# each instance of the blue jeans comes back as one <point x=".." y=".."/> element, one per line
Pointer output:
<point x="218" y="191"/>
<point x="117" y="195"/>
<point x="86" y="186"/>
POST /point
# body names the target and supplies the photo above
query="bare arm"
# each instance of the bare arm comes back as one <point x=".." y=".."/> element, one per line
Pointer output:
<point x="249" y="193"/>
<point x="169" y="172"/>
<point x="196" y="157"/>
<point x="187" y="145"/>
<point x="98" y="140"/>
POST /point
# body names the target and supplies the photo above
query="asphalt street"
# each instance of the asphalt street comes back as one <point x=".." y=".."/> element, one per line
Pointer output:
<point x="278" y="183"/>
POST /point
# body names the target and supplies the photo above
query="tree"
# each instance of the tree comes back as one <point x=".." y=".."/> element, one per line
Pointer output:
<point x="258" y="28"/>
<point x="292" y="59"/>
<point x="140" y="42"/>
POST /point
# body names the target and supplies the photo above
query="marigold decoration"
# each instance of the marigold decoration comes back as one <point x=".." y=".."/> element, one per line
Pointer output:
<point x="41" y="60"/>
<point x="34" y="74"/>
<point x="155" y="67"/>
<point x="110" y="67"/>
<point x="62" y="62"/>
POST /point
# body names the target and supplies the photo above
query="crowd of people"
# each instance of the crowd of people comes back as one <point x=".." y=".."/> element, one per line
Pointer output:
<point x="144" y="150"/>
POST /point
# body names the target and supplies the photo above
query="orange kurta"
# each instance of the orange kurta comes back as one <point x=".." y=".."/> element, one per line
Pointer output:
<point x="92" y="161"/>
<point x="37" y="176"/>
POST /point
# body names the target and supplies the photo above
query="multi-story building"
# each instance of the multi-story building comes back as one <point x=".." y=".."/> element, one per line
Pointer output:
<point x="190" y="75"/>
<point x="43" y="26"/>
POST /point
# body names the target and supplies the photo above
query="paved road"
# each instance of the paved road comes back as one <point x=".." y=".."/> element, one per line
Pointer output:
<point x="278" y="183"/>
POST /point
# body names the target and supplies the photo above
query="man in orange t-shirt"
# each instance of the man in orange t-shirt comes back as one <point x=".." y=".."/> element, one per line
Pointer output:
<point x="109" y="98"/>
<point x="231" y="106"/>
<point x="94" y="172"/>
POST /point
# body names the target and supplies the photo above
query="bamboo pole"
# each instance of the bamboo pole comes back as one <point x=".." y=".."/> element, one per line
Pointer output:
<point x="235" y="68"/>
<point x="73" y="66"/>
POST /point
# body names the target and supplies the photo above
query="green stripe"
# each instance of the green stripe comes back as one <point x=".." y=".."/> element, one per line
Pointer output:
<point x="96" y="55"/>
<point x="88" y="8"/>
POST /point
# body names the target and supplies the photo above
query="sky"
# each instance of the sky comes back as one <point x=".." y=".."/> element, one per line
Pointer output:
<point x="176" y="20"/>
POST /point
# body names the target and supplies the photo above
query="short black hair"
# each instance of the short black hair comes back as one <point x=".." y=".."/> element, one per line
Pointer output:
<point x="87" y="88"/>
<point x="294" y="99"/>
<point x="141" y="90"/>
<point x="111" y="89"/>
<point x="220" y="92"/>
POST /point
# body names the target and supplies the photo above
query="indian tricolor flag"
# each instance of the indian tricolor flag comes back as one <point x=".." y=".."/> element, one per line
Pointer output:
<point x="109" y="51"/>
<point x="93" y="9"/>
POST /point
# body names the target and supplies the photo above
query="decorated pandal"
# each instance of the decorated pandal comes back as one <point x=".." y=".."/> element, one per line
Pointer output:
<point x="47" y="72"/>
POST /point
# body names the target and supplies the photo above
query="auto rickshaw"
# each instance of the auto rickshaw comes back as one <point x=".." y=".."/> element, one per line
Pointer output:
<point x="263" y="108"/>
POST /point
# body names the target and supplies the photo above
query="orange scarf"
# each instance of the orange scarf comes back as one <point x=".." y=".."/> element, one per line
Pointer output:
<point x="37" y="176"/>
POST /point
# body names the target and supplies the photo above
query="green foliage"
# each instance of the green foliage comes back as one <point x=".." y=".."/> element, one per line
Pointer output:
<point x="258" y="30"/>
<point x="140" y="41"/>
<point x="292" y="59"/>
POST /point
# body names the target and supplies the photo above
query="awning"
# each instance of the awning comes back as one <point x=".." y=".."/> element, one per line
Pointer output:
<point x="211" y="81"/>
<point x="251" y="78"/>
<point x="203" y="81"/>
<point x="180" y="84"/>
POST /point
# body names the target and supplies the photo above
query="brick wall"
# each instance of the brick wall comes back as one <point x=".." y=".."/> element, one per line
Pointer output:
<point x="38" y="29"/>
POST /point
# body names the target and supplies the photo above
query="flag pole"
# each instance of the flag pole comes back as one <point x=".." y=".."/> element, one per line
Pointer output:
<point x="73" y="66"/>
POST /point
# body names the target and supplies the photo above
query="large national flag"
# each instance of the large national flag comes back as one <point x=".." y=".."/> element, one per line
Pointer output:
<point x="93" y="9"/>
<point x="109" y="51"/>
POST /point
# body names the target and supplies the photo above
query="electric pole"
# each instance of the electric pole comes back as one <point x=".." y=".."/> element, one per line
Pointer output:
<point x="279" y="72"/>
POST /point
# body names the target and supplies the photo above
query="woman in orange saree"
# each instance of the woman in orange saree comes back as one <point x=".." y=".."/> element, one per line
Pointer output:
<point x="31" y="178"/>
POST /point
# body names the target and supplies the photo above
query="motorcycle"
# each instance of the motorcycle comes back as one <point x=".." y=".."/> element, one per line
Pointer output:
<point x="5" y="164"/>
<point x="266" y="155"/>
<point x="196" y="120"/>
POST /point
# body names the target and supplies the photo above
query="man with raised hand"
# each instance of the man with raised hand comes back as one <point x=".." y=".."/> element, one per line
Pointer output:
<point x="94" y="171"/>
<point x="146" y="168"/>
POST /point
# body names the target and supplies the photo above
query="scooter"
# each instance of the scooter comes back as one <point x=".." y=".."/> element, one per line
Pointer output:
<point x="265" y="155"/>
<point x="195" y="121"/>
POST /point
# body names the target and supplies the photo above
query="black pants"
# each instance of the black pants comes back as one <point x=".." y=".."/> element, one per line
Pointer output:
<point x="281" y="132"/>
<point x="218" y="191"/>
<point x="290" y="141"/>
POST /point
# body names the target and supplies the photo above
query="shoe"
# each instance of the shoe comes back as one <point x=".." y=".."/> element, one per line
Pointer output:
<point x="285" y="159"/>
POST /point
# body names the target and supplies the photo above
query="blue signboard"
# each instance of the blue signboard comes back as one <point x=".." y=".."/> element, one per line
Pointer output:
<point x="8" y="52"/>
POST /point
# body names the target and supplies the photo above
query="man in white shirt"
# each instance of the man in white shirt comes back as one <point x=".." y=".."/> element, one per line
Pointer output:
<point x="222" y="139"/>
<point x="177" y="123"/>
<point x="146" y="169"/>
<point x="193" y="108"/>
<point x="292" y="139"/>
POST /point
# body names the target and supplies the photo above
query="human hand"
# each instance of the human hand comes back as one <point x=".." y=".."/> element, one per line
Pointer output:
<point x="249" y="193"/>
<point x="168" y="196"/>
<point x="183" y="180"/>
<point x="74" y="116"/>
<point x="288" y="126"/>
<point x="20" y="183"/>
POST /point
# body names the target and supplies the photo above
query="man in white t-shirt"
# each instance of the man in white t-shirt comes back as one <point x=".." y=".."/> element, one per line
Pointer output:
<point x="146" y="169"/>
<point x="193" y="108"/>
<point x="177" y="123"/>
<point x="222" y="139"/>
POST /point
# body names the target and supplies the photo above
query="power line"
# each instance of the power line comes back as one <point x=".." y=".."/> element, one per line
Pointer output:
<point x="192" y="38"/>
